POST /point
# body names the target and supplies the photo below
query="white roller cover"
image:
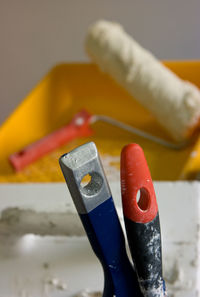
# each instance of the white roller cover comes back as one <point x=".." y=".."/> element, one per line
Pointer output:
<point x="174" y="102"/>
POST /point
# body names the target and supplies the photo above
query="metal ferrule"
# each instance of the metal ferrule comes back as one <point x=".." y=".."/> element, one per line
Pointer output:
<point x="75" y="166"/>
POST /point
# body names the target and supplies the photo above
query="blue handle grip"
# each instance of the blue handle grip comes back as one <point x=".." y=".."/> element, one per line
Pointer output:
<point x="107" y="240"/>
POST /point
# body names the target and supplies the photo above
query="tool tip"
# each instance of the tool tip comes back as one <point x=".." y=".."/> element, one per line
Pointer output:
<point x="79" y="156"/>
<point x="84" y="175"/>
<point x="138" y="196"/>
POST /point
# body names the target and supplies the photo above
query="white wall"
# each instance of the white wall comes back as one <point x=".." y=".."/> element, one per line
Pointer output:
<point x="35" y="35"/>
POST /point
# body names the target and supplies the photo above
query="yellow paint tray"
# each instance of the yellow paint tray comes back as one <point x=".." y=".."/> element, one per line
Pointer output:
<point x="67" y="89"/>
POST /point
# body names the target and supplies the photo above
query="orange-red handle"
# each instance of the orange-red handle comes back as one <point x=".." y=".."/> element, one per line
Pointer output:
<point x="136" y="177"/>
<point x="142" y="222"/>
<point x="78" y="127"/>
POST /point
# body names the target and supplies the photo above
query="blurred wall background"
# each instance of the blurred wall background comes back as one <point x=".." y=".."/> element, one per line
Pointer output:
<point x="35" y="35"/>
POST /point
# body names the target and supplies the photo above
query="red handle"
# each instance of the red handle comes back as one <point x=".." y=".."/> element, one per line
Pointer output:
<point x="136" y="178"/>
<point x="78" y="127"/>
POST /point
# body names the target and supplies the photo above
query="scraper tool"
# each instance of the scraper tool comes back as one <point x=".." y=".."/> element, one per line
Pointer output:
<point x="97" y="212"/>
<point x="142" y="220"/>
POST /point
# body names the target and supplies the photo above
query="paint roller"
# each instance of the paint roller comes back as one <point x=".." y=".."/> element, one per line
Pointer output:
<point x="174" y="102"/>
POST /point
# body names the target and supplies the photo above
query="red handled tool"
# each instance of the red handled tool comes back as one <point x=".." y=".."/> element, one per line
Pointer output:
<point x="142" y="220"/>
<point x="78" y="127"/>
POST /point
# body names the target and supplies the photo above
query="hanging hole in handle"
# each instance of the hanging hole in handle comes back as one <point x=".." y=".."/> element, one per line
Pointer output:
<point x="86" y="180"/>
<point x="143" y="199"/>
<point x="91" y="184"/>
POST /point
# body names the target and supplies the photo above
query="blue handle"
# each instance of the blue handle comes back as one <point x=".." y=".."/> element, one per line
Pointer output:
<point x="107" y="240"/>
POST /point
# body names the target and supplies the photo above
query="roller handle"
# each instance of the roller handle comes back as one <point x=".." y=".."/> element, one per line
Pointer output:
<point x="142" y="220"/>
<point x="78" y="127"/>
<point x="107" y="240"/>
